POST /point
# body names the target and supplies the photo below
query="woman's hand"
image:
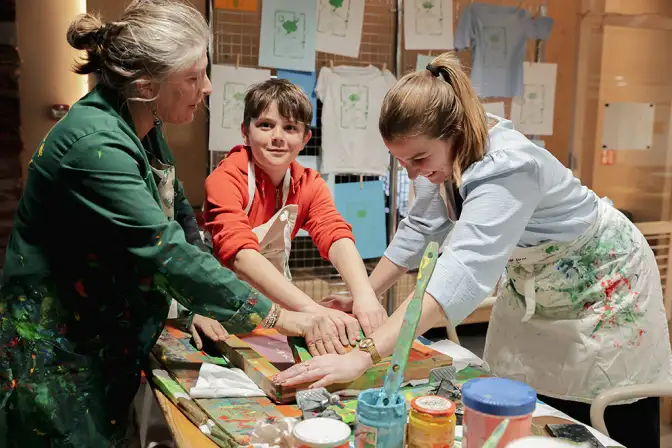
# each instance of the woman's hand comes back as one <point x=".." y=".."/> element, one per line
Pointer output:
<point x="319" y="330"/>
<point x="369" y="312"/>
<point x="205" y="326"/>
<point x="325" y="370"/>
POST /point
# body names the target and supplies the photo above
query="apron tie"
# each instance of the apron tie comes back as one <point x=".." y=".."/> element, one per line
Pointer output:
<point x="530" y="298"/>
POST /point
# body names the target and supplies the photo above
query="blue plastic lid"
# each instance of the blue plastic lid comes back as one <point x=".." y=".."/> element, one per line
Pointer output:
<point x="499" y="396"/>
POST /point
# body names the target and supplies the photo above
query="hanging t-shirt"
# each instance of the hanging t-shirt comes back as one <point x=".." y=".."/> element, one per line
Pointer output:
<point x="497" y="36"/>
<point x="351" y="99"/>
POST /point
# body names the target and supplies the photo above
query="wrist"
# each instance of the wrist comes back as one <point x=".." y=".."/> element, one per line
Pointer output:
<point x="362" y="358"/>
<point x="310" y="307"/>
<point x="272" y="319"/>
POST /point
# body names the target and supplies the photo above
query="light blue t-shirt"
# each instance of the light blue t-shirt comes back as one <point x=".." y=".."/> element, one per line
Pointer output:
<point x="518" y="195"/>
<point x="497" y="36"/>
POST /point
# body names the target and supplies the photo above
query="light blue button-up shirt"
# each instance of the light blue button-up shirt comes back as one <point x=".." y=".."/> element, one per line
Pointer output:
<point x="518" y="195"/>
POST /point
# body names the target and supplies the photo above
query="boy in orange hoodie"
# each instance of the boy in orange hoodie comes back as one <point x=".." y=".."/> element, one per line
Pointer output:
<point x="260" y="196"/>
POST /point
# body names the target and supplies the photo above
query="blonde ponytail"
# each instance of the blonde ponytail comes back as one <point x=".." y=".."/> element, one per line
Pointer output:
<point x="439" y="104"/>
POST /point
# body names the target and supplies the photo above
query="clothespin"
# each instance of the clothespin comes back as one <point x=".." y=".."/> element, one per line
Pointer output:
<point x="238" y="60"/>
<point x="384" y="66"/>
<point x="331" y="64"/>
<point x="520" y="5"/>
<point x="361" y="181"/>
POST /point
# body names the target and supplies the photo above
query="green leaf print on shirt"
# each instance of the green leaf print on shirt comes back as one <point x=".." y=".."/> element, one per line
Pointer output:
<point x="290" y="26"/>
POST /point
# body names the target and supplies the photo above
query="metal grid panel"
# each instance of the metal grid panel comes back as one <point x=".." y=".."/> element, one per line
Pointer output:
<point x="236" y="41"/>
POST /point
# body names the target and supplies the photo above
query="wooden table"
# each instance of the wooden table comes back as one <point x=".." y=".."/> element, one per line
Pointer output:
<point x="185" y="433"/>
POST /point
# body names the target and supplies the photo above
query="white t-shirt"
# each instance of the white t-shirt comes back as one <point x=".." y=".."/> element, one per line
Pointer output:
<point x="351" y="99"/>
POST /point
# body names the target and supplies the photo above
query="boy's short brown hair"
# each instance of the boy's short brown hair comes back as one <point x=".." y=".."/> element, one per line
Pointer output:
<point x="293" y="103"/>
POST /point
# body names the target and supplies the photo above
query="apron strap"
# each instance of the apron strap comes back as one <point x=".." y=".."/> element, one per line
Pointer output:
<point x="251" y="187"/>
<point x="530" y="298"/>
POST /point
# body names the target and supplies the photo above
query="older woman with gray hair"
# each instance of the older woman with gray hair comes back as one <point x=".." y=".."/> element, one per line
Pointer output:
<point x="97" y="250"/>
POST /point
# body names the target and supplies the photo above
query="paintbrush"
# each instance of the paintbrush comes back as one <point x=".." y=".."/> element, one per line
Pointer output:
<point x="395" y="372"/>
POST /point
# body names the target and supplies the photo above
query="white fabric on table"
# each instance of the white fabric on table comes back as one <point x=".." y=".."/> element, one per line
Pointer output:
<point x="221" y="382"/>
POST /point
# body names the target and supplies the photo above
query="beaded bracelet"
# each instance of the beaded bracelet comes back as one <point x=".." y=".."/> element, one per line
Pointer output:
<point x="272" y="318"/>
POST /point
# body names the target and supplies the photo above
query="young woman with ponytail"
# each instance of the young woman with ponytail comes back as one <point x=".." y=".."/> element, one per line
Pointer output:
<point x="581" y="307"/>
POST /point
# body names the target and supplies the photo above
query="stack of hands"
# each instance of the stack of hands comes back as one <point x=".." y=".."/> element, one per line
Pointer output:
<point x="327" y="328"/>
<point x="327" y="325"/>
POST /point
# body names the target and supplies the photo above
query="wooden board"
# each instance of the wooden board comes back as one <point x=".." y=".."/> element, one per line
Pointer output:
<point x="258" y="367"/>
<point x="237" y="417"/>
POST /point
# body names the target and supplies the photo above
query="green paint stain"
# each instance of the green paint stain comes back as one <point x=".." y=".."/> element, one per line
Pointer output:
<point x="290" y="26"/>
<point x="100" y="153"/>
<point x="552" y="249"/>
<point x="28" y="331"/>
<point x="354" y="97"/>
<point x="532" y="96"/>
<point x="361" y="213"/>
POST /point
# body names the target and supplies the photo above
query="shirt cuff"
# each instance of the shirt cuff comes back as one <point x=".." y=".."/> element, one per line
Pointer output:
<point x="454" y="288"/>
<point x="249" y="315"/>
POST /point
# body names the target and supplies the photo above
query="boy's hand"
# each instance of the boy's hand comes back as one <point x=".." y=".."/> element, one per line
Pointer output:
<point x="338" y="302"/>
<point x="369" y="312"/>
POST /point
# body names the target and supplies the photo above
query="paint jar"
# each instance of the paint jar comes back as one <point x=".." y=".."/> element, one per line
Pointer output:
<point x="431" y="422"/>
<point x="489" y="401"/>
<point x="321" y="433"/>
<point x="380" y="425"/>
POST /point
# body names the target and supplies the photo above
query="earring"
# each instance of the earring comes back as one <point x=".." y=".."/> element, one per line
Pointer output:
<point x="157" y="120"/>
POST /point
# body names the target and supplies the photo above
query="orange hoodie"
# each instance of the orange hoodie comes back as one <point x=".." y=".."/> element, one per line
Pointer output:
<point x="226" y="197"/>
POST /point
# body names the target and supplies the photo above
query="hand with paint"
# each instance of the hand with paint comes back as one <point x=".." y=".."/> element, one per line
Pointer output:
<point x="205" y="326"/>
<point x="325" y="370"/>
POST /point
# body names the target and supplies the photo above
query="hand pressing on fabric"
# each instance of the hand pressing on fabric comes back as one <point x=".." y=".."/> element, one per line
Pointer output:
<point x="325" y="370"/>
<point x="210" y="328"/>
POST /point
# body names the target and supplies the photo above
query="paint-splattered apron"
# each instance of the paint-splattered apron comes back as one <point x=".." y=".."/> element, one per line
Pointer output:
<point x="275" y="236"/>
<point x="574" y="319"/>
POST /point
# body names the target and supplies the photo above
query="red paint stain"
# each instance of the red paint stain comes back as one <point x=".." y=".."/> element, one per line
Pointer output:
<point x="79" y="287"/>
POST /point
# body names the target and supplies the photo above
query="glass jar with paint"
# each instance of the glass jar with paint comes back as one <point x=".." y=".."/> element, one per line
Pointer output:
<point x="380" y="423"/>
<point x="431" y="422"/>
<point x="489" y="401"/>
<point x="321" y="433"/>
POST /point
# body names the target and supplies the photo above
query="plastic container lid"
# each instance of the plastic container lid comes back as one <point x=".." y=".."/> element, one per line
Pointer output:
<point x="499" y="396"/>
<point x="322" y="432"/>
<point x="433" y="405"/>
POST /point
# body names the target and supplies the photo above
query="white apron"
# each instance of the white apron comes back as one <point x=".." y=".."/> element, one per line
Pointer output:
<point x="574" y="319"/>
<point x="275" y="236"/>
<point x="165" y="175"/>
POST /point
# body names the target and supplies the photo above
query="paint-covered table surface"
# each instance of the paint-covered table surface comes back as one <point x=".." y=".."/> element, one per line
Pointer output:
<point x="237" y="417"/>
